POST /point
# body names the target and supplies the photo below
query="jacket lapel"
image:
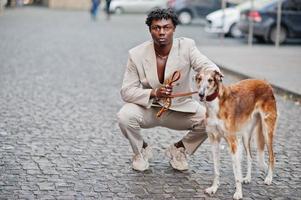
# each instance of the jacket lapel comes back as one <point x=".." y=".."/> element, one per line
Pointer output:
<point x="172" y="61"/>
<point x="150" y="66"/>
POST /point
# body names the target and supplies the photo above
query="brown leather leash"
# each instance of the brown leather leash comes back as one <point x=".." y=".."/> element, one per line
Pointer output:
<point x="167" y="101"/>
<point x="183" y="94"/>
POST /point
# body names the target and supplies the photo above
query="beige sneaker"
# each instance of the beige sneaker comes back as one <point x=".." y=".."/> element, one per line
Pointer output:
<point x="139" y="163"/>
<point x="178" y="158"/>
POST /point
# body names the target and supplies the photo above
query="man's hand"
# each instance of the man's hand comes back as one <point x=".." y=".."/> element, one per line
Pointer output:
<point x="162" y="92"/>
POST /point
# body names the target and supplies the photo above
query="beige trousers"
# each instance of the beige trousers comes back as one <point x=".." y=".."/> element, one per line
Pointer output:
<point x="132" y="118"/>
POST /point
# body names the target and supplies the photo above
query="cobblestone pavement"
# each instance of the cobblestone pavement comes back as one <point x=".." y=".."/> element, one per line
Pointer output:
<point x="60" y="76"/>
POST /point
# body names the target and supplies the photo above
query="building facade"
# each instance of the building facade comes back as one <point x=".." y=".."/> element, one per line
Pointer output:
<point x="68" y="4"/>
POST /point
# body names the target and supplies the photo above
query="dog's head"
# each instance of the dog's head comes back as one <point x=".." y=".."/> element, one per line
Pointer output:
<point x="208" y="83"/>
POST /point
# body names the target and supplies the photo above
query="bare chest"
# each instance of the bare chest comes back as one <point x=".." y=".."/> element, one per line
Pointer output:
<point x="161" y="64"/>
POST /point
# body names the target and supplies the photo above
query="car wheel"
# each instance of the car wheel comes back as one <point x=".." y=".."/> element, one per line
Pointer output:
<point x="235" y="31"/>
<point x="119" y="10"/>
<point x="282" y="34"/>
<point x="185" y="17"/>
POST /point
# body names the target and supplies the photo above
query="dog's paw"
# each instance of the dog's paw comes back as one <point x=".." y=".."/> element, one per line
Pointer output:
<point x="246" y="180"/>
<point x="211" y="190"/>
<point x="268" y="180"/>
<point x="237" y="195"/>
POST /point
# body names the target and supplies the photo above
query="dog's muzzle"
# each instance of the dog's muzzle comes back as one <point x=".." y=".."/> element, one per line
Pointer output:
<point x="202" y="96"/>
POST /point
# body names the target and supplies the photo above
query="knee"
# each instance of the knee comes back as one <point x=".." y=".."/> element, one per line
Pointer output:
<point x="128" y="117"/>
<point x="199" y="126"/>
<point x="123" y="118"/>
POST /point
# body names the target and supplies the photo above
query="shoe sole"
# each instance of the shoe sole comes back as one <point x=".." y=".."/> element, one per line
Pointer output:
<point x="176" y="168"/>
<point x="141" y="170"/>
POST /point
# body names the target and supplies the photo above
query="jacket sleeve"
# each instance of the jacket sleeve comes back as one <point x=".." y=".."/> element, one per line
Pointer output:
<point x="199" y="61"/>
<point x="131" y="90"/>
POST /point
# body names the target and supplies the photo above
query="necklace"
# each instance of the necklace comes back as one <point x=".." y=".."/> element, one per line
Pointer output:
<point x="160" y="56"/>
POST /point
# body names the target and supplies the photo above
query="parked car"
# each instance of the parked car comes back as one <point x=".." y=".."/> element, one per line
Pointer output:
<point x="187" y="10"/>
<point x="136" y="6"/>
<point x="265" y="20"/>
<point x="226" y="21"/>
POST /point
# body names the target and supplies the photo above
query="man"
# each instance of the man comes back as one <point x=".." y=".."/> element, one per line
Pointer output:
<point x="143" y="89"/>
<point x="108" y="12"/>
<point x="94" y="8"/>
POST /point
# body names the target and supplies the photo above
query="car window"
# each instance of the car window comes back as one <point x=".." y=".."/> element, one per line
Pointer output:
<point x="257" y="4"/>
<point x="292" y="5"/>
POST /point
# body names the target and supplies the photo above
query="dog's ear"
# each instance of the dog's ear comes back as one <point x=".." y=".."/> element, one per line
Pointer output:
<point x="219" y="76"/>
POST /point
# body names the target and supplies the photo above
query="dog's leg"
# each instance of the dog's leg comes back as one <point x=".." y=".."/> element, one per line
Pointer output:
<point x="247" y="136"/>
<point x="246" y="143"/>
<point x="216" y="160"/>
<point x="233" y="143"/>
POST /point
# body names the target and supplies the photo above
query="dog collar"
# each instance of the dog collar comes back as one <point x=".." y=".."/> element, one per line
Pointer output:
<point x="212" y="96"/>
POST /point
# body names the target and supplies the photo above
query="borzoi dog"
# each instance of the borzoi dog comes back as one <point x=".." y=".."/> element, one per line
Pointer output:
<point x="237" y="112"/>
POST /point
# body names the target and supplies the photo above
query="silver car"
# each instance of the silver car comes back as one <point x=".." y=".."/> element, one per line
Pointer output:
<point x="136" y="6"/>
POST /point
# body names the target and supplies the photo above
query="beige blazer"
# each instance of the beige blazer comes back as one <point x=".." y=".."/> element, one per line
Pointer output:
<point x="141" y="73"/>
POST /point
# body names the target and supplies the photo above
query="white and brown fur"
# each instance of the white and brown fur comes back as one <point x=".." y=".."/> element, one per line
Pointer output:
<point x="238" y="112"/>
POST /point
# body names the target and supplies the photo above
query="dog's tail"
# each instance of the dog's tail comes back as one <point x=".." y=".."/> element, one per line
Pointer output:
<point x="260" y="143"/>
<point x="266" y="131"/>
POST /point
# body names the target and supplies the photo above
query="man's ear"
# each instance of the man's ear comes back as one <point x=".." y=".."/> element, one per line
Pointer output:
<point x="219" y="76"/>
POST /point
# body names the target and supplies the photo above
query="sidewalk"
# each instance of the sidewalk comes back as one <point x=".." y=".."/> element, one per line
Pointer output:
<point x="281" y="67"/>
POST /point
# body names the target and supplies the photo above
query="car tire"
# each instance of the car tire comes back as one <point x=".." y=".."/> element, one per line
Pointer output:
<point x="185" y="17"/>
<point x="235" y="31"/>
<point x="282" y="36"/>
<point x="119" y="11"/>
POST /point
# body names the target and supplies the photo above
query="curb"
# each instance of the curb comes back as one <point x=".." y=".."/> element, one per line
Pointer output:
<point x="281" y="91"/>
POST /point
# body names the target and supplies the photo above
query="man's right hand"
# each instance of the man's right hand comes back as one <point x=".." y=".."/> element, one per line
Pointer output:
<point x="162" y="92"/>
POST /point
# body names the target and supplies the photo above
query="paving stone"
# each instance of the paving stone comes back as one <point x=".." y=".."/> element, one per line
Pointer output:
<point x="46" y="186"/>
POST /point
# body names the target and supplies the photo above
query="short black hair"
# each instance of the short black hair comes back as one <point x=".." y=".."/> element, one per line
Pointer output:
<point x="162" y="13"/>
